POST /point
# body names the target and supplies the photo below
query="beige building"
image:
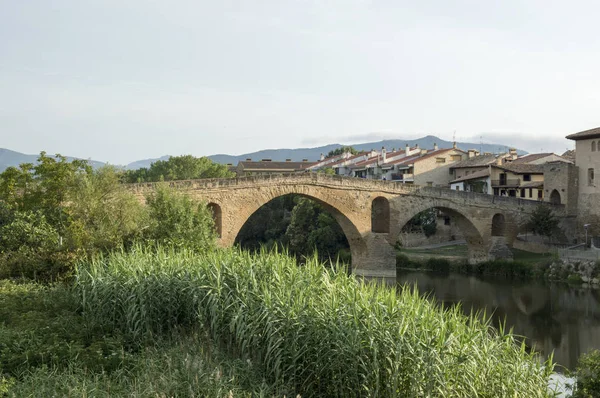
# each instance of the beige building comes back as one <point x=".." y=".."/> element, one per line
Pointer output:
<point x="587" y="160"/>
<point x="430" y="168"/>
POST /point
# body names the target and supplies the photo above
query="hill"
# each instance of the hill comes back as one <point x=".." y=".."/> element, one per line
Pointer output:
<point x="13" y="158"/>
<point x="313" y="154"/>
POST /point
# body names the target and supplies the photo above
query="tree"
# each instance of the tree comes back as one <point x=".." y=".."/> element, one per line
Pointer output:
<point x="174" y="219"/>
<point x="425" y="221"/>
<point x="341" y="150"/>
<point x="542" y="221"/>
<point x="186" y="167"/>
<point x="103" y="213"/>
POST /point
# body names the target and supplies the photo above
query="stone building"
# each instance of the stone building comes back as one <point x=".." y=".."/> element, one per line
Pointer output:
<point x="587" y="160"/>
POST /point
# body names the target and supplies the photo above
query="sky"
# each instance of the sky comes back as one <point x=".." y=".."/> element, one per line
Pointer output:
<point x="119" y="81"/>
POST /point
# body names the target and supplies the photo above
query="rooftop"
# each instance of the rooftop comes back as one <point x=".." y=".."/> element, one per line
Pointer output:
<point x="477" y="161"/>
<point x="530" y="158"/>
<point x="270" y="165"/>
<point x="474" y="176"/>
<point x="584" y="135"/>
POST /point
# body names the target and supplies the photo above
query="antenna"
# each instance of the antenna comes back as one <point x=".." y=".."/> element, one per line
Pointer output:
<point x="454" y="136"/>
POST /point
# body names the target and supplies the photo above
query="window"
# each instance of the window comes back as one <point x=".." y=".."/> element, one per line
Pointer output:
<point x="526" y="177"/>
<point x="456" y="158"/>
<point x="540" y="193"/>
<point x="523" y="193"/>
<point x="440" y="160"/>
<point x="593" y="146"/>
<point x="591" y="177"/>
<point x="531" y="192"/>
<point x="446" y="220"/>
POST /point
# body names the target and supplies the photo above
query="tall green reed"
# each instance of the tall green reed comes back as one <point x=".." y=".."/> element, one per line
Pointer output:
<point x="311" y="330"/>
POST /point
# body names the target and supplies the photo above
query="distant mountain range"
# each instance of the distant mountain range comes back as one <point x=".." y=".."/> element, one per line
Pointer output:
<point x="12" y="158"/>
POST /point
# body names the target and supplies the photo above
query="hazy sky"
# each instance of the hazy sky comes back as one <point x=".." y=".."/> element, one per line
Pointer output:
<point x="124" y="80"/>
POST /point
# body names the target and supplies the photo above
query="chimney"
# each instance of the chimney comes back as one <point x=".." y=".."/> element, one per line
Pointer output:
<point x="435" y="147"/>
<point x="423" y="152"/>
<point x="305" y="160"/>
<point x="471" y="153"/>
<point x="406" y="150"/>
<point x="499" y="160"/>
<point x="383" y="154"/>
<point x="454" y="145"/>
<point x="513" y="153"/>
<point x="322" y="157"/>
<point x="288" y="160"/>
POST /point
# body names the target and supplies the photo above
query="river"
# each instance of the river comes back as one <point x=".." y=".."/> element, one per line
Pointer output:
<point x="558" y="318"/>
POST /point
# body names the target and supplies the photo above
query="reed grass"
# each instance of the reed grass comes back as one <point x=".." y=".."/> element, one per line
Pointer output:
<point x="309" y="329"/>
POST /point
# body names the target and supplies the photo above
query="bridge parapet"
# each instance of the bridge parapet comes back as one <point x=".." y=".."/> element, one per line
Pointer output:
<point x="287" y="179"/>
<point x="485" y="199"/>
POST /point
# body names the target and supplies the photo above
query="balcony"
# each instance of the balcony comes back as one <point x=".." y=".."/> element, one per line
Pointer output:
<point x="509" y="182"/>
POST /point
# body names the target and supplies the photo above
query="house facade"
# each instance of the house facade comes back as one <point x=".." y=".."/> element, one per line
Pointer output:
<point x="587" y="160"/>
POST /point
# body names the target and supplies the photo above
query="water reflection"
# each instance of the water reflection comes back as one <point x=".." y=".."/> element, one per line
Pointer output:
<point x="556" y="317"/>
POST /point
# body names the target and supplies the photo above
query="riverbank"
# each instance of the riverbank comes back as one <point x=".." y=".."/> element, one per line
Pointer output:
<point x="524" y="265"/>
<point x="165" y="323"/>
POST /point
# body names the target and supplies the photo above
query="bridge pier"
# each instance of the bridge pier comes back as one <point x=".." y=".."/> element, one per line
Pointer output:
<point x="378" y="260"/>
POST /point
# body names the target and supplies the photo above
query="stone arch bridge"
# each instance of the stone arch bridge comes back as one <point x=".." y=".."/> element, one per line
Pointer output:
<point x="370" y="212"/>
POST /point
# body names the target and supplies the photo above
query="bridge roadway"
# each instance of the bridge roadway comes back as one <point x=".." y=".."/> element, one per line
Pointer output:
<point x="370" y="212"/>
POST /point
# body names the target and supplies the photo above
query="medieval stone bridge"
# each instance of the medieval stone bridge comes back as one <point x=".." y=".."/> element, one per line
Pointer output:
<point x="370" y="212"/>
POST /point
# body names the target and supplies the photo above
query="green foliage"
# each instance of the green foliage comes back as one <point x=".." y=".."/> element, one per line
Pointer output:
<point x="543" y="221"/>
<point x="55" y="212"/>
<point x="45" y="187"/>
<point x="30" y="248"/>
<point x="300" y="225"/>
<point x="588" y="375"/>
<point x="311" y="230"/>
<point x="310" y="331"/>
<point x="185" y="167"/>
<point x="425" y="221"/>
<point x="341" y="150"/>
<point x="103" y="214"/>
<point x="175" y="219"/>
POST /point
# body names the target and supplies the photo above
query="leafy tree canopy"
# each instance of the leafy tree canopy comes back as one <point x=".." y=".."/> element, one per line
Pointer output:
<point x="341" y="150"/>
<point x="542" y="221"/>
<point x="186" y="167"/>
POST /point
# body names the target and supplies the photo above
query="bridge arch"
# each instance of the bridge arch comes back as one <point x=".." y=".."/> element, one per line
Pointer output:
<point x="217" y="215"/>
<point x="380" y="215"/>
<point x="330" y="201"/>
<point x="474" y="235"/>
<point x="498" y="225"/>
<point x="555" y="197"/>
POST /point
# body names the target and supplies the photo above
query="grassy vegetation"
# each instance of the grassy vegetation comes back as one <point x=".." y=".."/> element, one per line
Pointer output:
<point x="309" y="330"/>
<point x="174" y="323"/>
<point x="524" y="265"/>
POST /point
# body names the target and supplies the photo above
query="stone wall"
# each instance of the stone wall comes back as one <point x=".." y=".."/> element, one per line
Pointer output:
<point x="562" y="177"/>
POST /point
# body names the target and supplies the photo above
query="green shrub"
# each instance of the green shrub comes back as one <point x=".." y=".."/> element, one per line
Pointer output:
<point x="574" y="278"/>
<point x="438" y="265"/>
<point x="176" y="220"/>
<point x="403" y="261"/>
<point x="587" y="374"/>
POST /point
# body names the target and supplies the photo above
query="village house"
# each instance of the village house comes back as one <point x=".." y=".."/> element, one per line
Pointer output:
<point x="587" y="162"/>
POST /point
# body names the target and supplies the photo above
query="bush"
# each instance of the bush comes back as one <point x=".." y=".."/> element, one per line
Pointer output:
<point x="438" y="265"/>
<point x="588" y="375"/>
<point x="30" y="248"/>
<point x="403" y="261"/>
<point x="176" y="220"/>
